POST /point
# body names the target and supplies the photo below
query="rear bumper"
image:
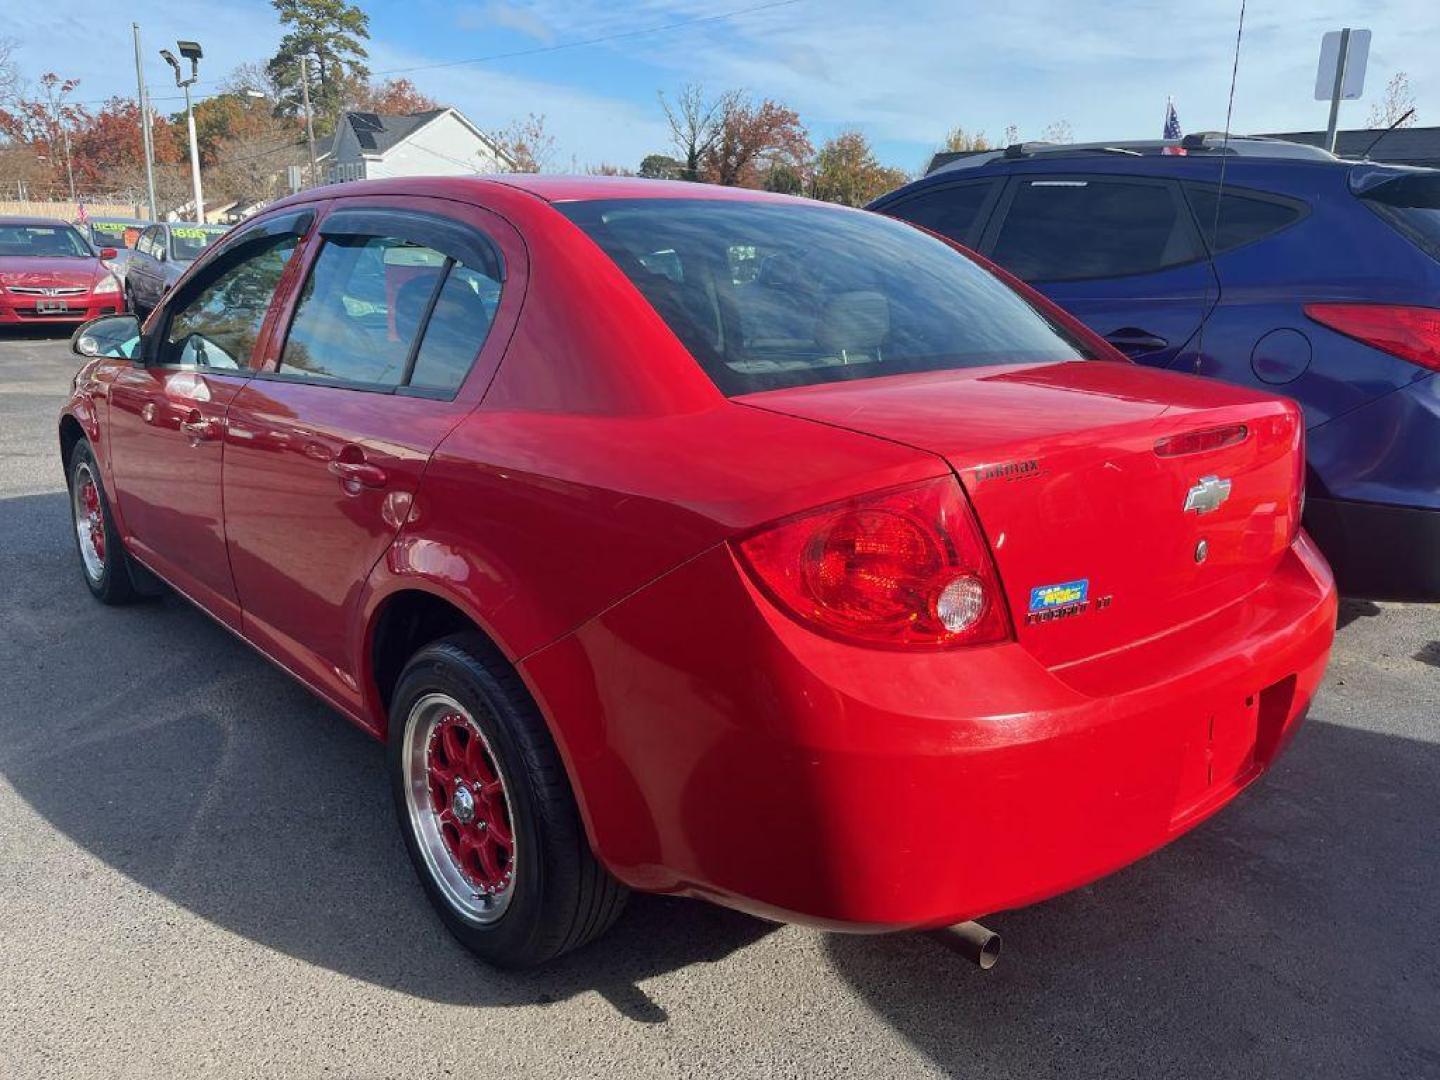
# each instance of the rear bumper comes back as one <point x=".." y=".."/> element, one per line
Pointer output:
<point x="1378" y="552"/>
<point x="21" y="310"/>
<point x="721" y="750"/>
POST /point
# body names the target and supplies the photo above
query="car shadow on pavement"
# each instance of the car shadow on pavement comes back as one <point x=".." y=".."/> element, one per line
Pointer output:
<point x="168" y="749"/>
<point x="1293" y="935"/>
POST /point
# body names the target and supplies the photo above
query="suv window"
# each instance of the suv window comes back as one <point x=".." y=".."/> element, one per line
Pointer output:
<point x="217" y="326"/>
<point x="1411" y="204"/>
<point x="1068" y="229"/>
<point x="362" y="309"/>
<point x="1243" y="217"/>
<point x="952" y="210"/>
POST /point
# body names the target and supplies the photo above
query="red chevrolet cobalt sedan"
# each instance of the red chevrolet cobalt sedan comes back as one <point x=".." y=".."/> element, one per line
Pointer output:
<point x="699" y="541"/>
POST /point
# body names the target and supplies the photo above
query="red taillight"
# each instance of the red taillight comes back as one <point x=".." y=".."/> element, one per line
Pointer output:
<point x="900" y="569"/>
<point x="1411" y="333"/>
<point x="1196" y="442"/>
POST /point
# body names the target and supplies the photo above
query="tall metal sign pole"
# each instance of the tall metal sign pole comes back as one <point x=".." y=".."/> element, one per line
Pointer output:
<point x="146" y="135"/>
<point x="309" y="120"/>
<point x="1339" y="85"/>
<point x="1341" y="75"/>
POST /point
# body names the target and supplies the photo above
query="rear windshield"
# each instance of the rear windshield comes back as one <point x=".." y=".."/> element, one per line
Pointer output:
<point x="116" y="234"/>
<point x="770" y="295"/>
<point x="1411" y="204"/>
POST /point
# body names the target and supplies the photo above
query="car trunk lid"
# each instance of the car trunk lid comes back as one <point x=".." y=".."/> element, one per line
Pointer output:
<point x="1100" y="541"/>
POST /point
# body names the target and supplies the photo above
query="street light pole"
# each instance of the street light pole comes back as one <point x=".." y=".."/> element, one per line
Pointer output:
<point x="194" y="157"/>
<point x="145" y="133"/>
<point x="191" y="51"/>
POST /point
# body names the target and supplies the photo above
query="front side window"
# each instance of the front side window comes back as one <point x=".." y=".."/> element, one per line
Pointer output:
<point x="1065" y="230"/>
<point x="43" y="240"/>
<point x="952" y="211"/>
<point x="362" y="309"/>
<point x="217" y="327"/>
<point x="773" y="295"/>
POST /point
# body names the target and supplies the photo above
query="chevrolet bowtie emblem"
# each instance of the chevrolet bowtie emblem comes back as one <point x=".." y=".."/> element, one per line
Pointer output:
<point x="1207" y="494"/>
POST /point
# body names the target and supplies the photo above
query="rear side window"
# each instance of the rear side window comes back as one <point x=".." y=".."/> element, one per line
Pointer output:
<point x="1411" y="205"/>
<point x="769" y="295"/>
<point x="1069" y="229"/>
<point x="1244" y="218"/>
<point x="364" y="306"/>
<point x="952" y="211"/>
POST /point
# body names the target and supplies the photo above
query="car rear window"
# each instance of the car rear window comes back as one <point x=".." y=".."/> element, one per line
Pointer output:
<point x="770" y="295"/>
<point x="1411" y="205"/>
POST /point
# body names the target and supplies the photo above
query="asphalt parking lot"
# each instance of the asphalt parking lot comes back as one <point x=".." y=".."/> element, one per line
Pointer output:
<point x="200" y="874"/>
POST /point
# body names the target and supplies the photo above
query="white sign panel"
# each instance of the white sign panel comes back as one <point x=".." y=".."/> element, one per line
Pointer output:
<point x="1359" y="56"/>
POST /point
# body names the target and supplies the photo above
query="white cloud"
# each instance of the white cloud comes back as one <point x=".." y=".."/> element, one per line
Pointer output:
<point x="522" y="20"/>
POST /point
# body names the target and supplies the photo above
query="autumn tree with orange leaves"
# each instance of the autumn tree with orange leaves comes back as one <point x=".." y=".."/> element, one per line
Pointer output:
<point x="753" y="139"/>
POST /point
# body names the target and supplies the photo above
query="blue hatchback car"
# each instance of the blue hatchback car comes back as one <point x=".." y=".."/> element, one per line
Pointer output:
<point x="1307" y="275"/>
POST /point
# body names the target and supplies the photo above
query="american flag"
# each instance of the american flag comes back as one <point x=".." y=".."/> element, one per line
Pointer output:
<point x="81" y="215"/>
<point x="1172" y="127"/>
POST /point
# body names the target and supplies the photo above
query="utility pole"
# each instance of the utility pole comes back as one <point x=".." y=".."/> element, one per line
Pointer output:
<point x="309" y="120"/>
<point x="145" y="133"/>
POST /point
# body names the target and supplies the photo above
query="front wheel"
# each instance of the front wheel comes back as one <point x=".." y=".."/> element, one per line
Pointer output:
<point x="102" y="555"/>
<point x="486" y="810"/>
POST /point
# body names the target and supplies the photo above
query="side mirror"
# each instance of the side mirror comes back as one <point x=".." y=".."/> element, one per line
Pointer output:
<point x="108" y="253"/>
<point x="109" y="335"/>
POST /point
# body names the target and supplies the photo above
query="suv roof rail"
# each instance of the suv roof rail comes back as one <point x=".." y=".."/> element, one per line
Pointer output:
<point x="1199" y="143"/>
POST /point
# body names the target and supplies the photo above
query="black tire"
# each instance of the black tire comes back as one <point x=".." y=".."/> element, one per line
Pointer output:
<point x="111" y="581"/>
<point x="561" y="897"/>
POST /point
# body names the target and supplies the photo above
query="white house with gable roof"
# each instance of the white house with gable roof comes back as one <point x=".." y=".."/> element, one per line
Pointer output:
<point x="438" y="142"/>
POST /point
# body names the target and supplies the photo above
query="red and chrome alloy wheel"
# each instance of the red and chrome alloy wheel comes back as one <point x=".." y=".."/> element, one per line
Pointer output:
<point x="89" y="522"/>
<point x="459" y="808"/>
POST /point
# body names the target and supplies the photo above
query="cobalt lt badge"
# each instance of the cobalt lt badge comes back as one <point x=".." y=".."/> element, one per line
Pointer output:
<point x="1207" y="495"/>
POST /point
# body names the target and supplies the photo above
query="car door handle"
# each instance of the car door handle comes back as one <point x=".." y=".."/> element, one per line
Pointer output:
<point x="197" y="427"/>
<point x="358" y="474"/>
<point x="1133" y="342"/>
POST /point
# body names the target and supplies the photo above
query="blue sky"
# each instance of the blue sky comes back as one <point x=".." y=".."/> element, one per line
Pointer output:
<point x="903" y="72"/>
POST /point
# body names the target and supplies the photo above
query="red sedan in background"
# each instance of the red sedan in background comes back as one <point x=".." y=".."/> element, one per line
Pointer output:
<point x="701" y="541"/>
<point x="49" y="273"/>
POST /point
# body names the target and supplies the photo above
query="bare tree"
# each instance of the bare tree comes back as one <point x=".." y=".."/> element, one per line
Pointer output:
<point x="9" y="72"/>
<point x="526" y="144"/>
<point x="696" y="124"/>
<point x="1058" y="132"/>
<point x="1398" y="100"/>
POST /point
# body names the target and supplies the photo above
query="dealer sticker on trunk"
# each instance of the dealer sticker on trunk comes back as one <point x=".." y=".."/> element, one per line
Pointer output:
<point x="1064" y="595"/>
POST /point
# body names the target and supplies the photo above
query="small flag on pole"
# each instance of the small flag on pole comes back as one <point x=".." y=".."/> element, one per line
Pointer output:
<point x="81" y="215"/>
<point x="1172" y="127"/>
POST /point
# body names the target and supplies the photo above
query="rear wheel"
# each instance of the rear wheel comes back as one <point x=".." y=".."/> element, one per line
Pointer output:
<point x="102" y="555"/>
<point x="486" y="809"/>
